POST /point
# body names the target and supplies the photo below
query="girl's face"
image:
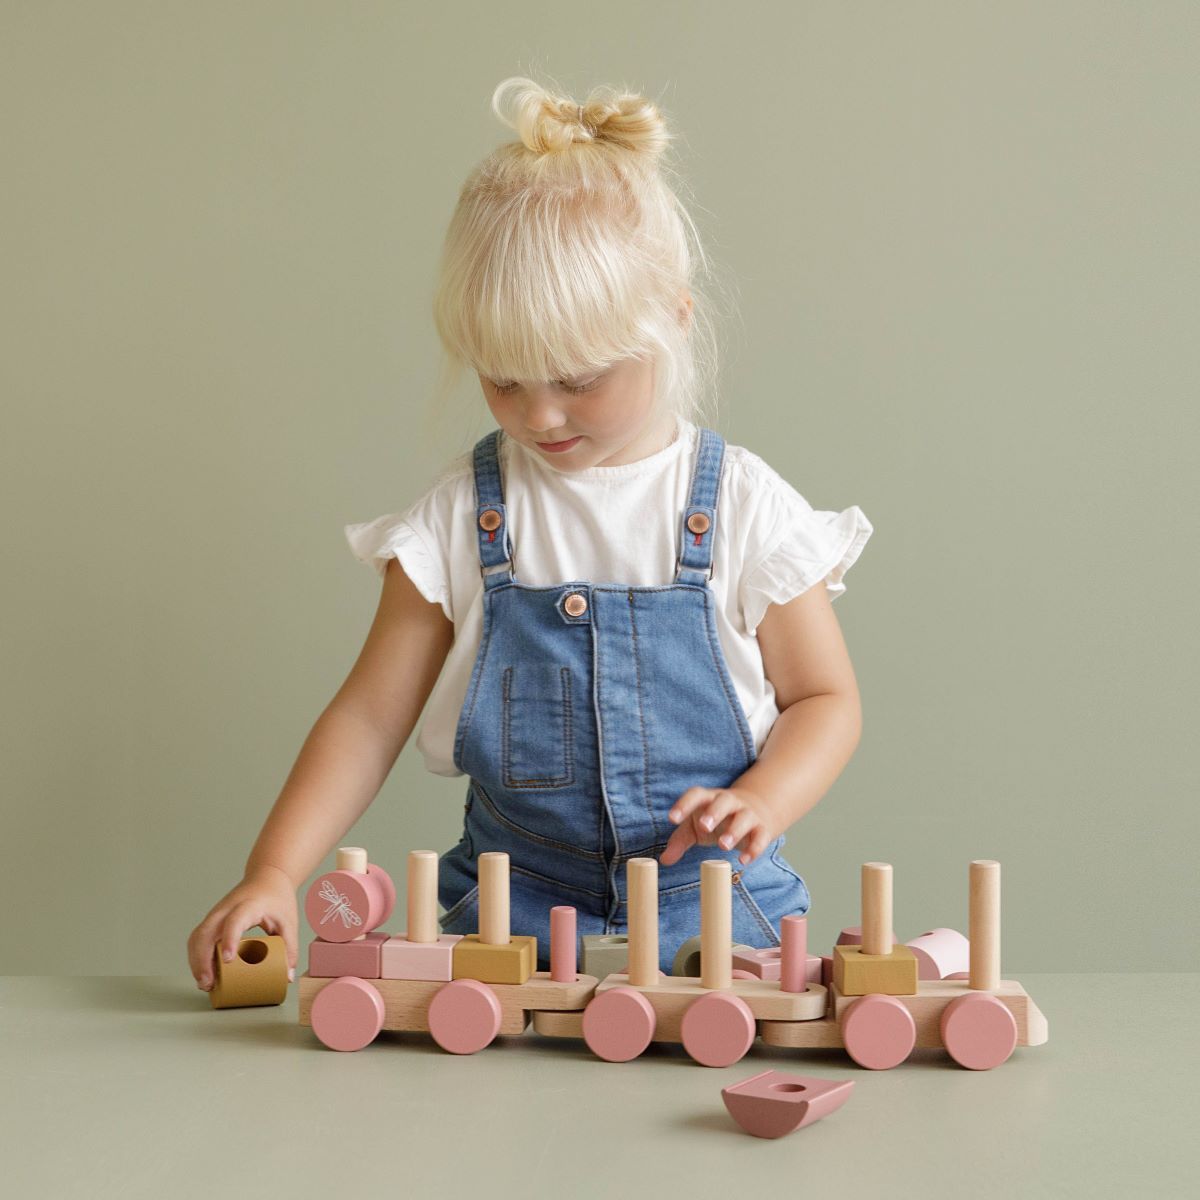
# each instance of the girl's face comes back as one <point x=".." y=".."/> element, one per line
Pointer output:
<point x="610" y="412"/>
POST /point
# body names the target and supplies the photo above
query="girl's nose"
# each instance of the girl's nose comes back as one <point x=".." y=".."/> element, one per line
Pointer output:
<point x="542" y="414"/>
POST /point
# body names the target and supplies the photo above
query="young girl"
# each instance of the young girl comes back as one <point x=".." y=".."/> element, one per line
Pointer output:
<point x="622" y="625"/>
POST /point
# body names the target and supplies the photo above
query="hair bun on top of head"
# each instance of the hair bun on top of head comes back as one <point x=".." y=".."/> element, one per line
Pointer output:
<point x="548" y="122"/>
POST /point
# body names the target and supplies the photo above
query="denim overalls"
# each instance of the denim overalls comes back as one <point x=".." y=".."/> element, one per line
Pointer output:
<point x="591" y="708"/>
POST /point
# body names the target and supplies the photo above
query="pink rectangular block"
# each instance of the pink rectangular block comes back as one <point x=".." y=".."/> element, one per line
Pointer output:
<point x="402" y="959"/>
<point x="765" y="964"/>
<point x="330" y="959"/>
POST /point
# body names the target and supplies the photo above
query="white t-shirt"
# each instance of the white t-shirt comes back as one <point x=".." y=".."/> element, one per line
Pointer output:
<point x="613" y="525"/>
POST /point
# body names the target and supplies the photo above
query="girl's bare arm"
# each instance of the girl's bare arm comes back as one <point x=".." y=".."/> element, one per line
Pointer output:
<point x="817" y="730"/>
<point x="356" y="740"/>
<point x="339" y="771"/>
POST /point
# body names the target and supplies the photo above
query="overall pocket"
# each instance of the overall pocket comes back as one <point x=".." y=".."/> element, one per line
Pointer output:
<point x="537" y="747"/>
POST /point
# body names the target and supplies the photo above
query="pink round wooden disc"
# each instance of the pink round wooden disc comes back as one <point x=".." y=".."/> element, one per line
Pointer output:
<point x="388" y="888"/>
<point x="347" y="1014"/>
<point x="341" y="905"/>
<point x="979" y="1030"/>
<point x="464" y="1016"/>
<point x="879" y="1032"/>
<point x="718" y="1029"/>
<point x="618" y="1024"/>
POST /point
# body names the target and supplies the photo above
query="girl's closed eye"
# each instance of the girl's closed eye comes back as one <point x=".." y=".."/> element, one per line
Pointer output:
<point x="575" y="389"/>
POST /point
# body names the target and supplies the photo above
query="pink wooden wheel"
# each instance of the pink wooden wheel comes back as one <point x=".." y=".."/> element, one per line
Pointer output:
<point x="347" y="1013"/>
<point x="718" y="1029"/>
<point x="464" y="1016"/>
<point x="879" y="1032"/>
<point x="618" y="1024"/>
<point x="979" y="1030"/>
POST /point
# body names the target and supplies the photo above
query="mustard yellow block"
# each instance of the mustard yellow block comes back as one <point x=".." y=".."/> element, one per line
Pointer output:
<point x="858" y="974"/>
<point x="513" y="963"/>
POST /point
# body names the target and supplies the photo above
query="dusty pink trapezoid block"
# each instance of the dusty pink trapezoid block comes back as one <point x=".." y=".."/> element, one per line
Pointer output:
<point x="464" y="1016"/>
<point x="347" y="1014"/>
<point x="618" y="1024"/>
<point x="978" y="1030"/>
<point x="718" y="1029"/>
<point x="773" y="1103"/>
<point x="879" y="1032"/>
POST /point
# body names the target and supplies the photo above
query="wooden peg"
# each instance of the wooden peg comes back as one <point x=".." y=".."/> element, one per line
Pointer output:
<point x="983" y="915"/>
<point x="493" y="898"/>
<point x="716" y="923"/>
<point x="422" y="896"/>
<point x="641" y="879"/>
<point x="877" y="908"/>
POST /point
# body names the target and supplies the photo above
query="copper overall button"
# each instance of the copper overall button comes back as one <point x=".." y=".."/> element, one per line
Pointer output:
<point x="489" y="519"/>
<point x="575" y="604"/>
<point x="698" y="523"/>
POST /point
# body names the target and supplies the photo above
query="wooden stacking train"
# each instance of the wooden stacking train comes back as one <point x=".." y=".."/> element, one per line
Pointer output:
<point x="874" y="997"/>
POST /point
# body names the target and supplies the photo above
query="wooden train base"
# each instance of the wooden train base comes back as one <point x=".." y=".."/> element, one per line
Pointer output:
<point x="472" y="990"/>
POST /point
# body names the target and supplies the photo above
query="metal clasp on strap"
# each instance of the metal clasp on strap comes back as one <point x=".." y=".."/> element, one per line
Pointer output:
<point x="712" y="562"/>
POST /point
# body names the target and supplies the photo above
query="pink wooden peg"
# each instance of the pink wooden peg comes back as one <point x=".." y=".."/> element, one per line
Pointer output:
<point x="563" y="964"/>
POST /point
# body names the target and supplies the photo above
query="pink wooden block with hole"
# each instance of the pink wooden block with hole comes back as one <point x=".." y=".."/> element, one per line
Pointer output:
<point x="771" y="1103"/>
<point x="402" y="959"/>
<point x="360" y="957"/>
<point x="879" y="1031"/>
<point x="979" y="1030"/>
<point x="852" y="936"/>
<point x="960" y="975"/>
<point x="762" y="964"/>
<point x="464" y="1016"/>
<point x="940" y="952"/>
<point x="618" y="1024"/>
<point x="341" y="905"/>
<point x="347" y="1014"/>
<point x="717" y="1029"/>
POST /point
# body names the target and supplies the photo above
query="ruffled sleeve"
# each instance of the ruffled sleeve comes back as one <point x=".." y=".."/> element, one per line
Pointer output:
<point x="412" y="537"/>
<point x="803" y="545"/>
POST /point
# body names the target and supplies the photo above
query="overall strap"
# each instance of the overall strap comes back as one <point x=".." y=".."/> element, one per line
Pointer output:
<point x="491" y="517"/>
<point x="694" y="564"/>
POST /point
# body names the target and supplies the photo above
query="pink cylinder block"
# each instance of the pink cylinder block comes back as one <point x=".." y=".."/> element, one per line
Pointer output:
<point x="940" y="953"/>
<point x="793" y="968"/>
<point x="341" y="905"/>
<point x="347" y="1014"/>
<point x="464" y="1016"/>
<point x="563" y="963"/>
<point x="718" y="1029"/>
<point x="979" y="1030"/>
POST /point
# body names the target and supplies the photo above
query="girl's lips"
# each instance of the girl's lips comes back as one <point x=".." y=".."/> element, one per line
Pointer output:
<point x="558" y="447"/>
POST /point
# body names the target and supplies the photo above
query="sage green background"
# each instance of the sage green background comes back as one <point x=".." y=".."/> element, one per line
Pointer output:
<point x="964" y="240"/>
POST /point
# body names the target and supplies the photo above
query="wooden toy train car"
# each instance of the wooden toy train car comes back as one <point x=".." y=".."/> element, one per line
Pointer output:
<point x="877" y="999"/>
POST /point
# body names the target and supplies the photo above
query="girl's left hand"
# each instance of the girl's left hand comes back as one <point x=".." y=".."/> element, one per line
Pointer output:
<point x="725" y="817"/>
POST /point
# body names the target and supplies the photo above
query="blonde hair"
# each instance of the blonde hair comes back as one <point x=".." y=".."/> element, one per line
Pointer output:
<point x="568" y="250"/>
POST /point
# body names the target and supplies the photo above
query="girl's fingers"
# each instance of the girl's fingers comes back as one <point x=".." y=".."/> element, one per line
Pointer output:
<point x="678" y="844"/>
<point x="689" y="802"/>
<point x="739" y="826"/>
<point x="760" y="839"/>
<point x="722" y="804"/>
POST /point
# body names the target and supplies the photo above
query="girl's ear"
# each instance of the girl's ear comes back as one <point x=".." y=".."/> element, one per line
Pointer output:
<point x="685" y="307"/>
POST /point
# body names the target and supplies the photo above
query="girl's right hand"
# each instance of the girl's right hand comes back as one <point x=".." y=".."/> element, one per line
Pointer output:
<point x="265" y="897"/>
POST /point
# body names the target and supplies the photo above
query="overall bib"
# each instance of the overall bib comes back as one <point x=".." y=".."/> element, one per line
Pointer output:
<point x="591" y="708"/>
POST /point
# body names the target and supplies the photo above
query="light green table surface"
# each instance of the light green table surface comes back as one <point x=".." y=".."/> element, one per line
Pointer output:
<point x="134" y="1086"/>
